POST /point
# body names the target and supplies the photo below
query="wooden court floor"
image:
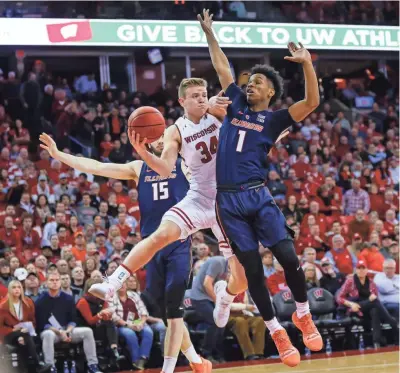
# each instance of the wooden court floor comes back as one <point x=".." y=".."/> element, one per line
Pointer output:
<point x="385" y="360"/>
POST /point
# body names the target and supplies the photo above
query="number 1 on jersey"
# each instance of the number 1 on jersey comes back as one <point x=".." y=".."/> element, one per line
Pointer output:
<point x="242" y="135"/>
<point x="160" y="190"/>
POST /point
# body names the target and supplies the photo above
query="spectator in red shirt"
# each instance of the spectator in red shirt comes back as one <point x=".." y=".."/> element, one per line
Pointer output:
<point x="372" y="257"/>
<point x="301" y="167"/>
<point x="9" y="235"/>
<point x="64" y="237"/>
<point x="44" y="162"/>
<point x="124" y="228"/>
<point x="119" y="191"/>
<point x="106" y="146"/>
<point x="320" y="219"/>
<point x="60" y="103"/>
<point x="41" y="267"/>
<point x="344" y="260"/>
<point x="66" y="123"/>
<point x="133" y="204"/>
<point x="315" y="240"/>
<point x="79" y="249"/>
<point x="360" y="225"/>
<point x="5" y="159"/>
<point x="390" y="221"/>
<point x="29" y="239"/>
<point x="289" y="181"/>
<point x="276" y="282"/>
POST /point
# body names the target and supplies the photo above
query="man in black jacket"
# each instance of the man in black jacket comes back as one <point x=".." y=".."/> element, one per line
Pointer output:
<point x="330" y="280"/>
<point x="55" y="322"/>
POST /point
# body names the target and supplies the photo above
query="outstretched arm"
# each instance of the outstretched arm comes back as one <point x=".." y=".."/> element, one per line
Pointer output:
<point x="303" y="108"/>
<point x="218" y="58"/>
<point x="126" y="171"/>
<point x="165" y="164"/>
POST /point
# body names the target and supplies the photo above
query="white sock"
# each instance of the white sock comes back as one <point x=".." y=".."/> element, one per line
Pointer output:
<point x="302" y="309"/>
<point x="120" y="275"/>
<point x="169" y="364"/>
<point x="192" y="355"/>
<point x="273" y="325"/>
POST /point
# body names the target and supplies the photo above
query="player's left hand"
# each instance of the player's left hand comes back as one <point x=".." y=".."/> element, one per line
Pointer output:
<point x="299" y="54"/>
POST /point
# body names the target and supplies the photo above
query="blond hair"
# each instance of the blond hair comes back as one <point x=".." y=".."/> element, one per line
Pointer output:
<point x="190" y="82"/>
<point x="10" y="300"/>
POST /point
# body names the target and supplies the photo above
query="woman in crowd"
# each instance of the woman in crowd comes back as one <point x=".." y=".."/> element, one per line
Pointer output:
<point x="74" y="225"/>
<point x="14" y="311"/>
<point x="360" y="295"/>
<point x="89" y="266"/>
<point x="291" y="209"/>
<point x="130" y="317"/>
<point x="71" y="262"/>
<point x="156" y="323"/>
<point x="14" y="264"/>
<point x="311" y="276"/>
<point x="96" y="314"/>
<point x="42" y="210"/>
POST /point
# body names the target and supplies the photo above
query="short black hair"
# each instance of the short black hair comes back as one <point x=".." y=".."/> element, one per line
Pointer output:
<point x="271" y="74"/>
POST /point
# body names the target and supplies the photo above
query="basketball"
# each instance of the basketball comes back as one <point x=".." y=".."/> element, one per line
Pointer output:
<point x="148" y="122"/>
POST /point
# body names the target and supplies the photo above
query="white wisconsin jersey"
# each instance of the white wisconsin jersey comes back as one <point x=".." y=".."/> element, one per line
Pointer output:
<point x="199" y="150"/>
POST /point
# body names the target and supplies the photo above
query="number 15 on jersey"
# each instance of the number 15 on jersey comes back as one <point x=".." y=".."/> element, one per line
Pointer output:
<point x="160" y="191"/>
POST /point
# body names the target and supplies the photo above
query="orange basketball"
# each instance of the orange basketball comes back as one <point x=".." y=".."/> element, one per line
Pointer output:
<point x="148" y="122"/>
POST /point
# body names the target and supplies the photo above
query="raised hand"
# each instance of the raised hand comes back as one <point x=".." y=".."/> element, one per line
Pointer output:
<point x="206" y="21"/>
<point x="137" y="143"/>
<point x="299" y="54"/>
<point x="48" y="144"/>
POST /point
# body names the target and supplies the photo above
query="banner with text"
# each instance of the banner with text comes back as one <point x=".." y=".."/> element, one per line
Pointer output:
<point x="100" y="32"/>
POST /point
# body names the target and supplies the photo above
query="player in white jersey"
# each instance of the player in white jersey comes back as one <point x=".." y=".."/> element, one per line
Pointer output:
<point x="195" y="136"/>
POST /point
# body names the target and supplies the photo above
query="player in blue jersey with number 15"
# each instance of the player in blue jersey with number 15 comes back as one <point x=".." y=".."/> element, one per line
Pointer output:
<point x="245" y="208"/>
<point x="169" y="270"/>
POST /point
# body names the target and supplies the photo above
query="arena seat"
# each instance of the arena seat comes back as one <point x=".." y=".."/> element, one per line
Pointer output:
<point x="284" y="306"/>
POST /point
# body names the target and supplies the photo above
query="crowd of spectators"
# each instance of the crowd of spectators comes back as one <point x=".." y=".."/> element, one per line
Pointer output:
<point x="335" y="179"/>
<point x="327" y="12"/>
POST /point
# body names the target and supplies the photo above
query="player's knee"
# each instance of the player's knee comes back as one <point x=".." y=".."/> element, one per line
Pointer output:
<point x="163" y="237"/>
<point x="174" y="301"/>
<point x="286" y="255"/>
<point x="251" y="262"/>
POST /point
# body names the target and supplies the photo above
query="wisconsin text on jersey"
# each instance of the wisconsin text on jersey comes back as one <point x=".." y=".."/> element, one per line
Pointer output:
<point x="202" y="133"/>
<point x="251" y="126"/>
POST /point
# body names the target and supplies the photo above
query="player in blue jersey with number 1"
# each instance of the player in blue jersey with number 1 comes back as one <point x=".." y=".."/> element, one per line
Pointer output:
<point x="245" y="208"/>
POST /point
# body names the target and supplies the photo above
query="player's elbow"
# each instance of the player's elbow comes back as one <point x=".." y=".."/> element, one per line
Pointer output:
<point x="313" y="102"/>
<point x="165" y="171"/>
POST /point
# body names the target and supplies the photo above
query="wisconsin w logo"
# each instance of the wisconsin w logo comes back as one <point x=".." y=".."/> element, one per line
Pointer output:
<point x="287" y="295"/>
<point x="187" y="302"/>
<point x="318" y="293"/>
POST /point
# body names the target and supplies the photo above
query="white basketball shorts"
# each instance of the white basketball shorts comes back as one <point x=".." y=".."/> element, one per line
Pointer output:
<point x="196" y="212"/>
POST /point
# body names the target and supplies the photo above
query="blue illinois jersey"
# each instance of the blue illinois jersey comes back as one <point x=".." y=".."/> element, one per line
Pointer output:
<point x="158" y="194"/>
<point x="245" y="140"/>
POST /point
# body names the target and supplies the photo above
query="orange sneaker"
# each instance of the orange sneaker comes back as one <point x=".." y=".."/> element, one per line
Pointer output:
<point x="289" y="354"/>
<point x="311" y="337"/>
<point x="204" y="367"/>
